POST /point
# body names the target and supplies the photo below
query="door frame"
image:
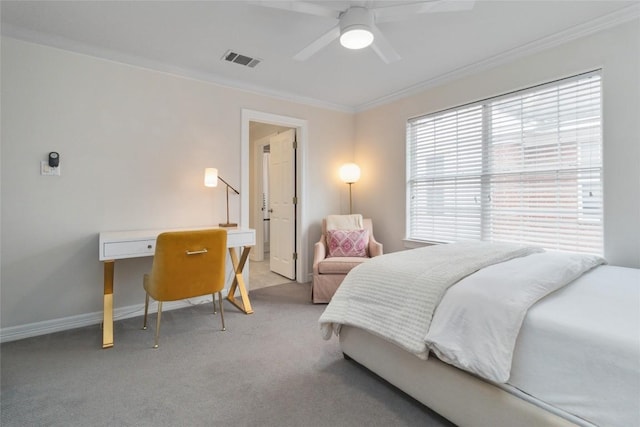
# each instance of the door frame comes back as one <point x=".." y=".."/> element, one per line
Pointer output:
<point x="301" y="126"/>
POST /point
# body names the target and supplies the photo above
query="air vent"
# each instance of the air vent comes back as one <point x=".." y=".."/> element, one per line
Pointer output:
<point x="241" y="59"/>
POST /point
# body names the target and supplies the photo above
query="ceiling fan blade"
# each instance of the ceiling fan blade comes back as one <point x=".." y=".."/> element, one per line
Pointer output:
<point x="318" y="44"/>
<point x="404" y="11"/>
<point x="301" y="7"/>
<point x="382" y="47"/>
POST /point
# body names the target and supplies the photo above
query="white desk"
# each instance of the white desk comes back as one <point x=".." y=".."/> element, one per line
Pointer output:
<point x="142" y="243"/>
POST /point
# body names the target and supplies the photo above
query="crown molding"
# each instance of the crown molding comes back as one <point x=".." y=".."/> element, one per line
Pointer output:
<point x="582" y="30"/>
<point x="68" y="45"/>
<point x="605" y="22"/>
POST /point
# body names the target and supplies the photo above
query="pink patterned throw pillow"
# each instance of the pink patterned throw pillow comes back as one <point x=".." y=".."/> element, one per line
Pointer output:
<point x="348" y="243"/>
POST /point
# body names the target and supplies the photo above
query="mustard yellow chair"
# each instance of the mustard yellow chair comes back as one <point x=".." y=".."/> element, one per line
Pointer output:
<point x="186" y="264"/>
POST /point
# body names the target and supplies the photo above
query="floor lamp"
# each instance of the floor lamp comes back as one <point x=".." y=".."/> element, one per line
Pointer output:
<point x="350" y="173"/>
<point x="211" y="178"/>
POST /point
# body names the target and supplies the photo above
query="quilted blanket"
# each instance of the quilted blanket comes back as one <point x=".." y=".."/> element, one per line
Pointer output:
<point x="394" y="296"/>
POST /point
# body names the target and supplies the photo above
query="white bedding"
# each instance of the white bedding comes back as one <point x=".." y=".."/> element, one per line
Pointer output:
<point x="476" y="324"/>
<point x="579" y="348"/>
<point x="394" y="295"/>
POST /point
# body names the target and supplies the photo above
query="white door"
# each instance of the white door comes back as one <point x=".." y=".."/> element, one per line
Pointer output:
<point x="282" y="190"/>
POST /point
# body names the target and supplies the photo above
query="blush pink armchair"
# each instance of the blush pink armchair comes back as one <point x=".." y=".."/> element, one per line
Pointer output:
<point x="328" y="273"/>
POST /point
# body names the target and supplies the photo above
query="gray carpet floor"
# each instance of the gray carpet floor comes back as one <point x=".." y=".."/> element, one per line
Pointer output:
<point x="271" y="368"/>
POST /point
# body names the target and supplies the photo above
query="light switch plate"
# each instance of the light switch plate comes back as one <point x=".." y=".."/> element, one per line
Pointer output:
<point x="47" y="170"/>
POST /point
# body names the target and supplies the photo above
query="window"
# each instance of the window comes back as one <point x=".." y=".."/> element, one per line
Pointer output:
<point x="525" y="167"/>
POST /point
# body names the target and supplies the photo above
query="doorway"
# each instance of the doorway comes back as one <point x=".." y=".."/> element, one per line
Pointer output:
<point x="258" y="129"/>
<point x="273" y="191"/>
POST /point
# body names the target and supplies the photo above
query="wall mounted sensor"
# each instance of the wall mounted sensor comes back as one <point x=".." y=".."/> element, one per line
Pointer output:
<point x="54" y="159"/>
<point x="51" y="166"/>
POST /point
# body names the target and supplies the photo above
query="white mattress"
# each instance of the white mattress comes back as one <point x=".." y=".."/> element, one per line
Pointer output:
<point x="579" y="348"/>
<point x="464" y="399"/>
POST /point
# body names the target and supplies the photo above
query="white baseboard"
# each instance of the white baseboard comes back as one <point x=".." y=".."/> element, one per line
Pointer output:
<point x="15" y="333"/>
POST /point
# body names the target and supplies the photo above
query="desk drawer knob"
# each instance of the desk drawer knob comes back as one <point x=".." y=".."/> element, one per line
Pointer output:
<point x="149" y="246"/>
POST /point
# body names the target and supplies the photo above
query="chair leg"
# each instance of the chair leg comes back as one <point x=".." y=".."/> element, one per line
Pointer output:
<point x="146" y="309"/>
<point x="221" y="310"/>
<point x="158" y="323"/>
<point x="214" y="303"/>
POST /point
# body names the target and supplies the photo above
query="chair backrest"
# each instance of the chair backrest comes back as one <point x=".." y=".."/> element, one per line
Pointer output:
<point x="188" y="264"/>
<point x="367" y="224"/>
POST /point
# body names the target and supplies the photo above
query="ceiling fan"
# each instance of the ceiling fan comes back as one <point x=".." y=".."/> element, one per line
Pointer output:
<point x="356" y="27"/>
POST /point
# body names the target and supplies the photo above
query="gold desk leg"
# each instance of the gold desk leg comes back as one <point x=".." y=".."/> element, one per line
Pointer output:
<point x="238" y="281"/>
<point x="107" y="319"/>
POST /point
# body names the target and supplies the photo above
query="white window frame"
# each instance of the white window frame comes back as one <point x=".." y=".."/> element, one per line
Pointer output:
<point x="540" y="147"/>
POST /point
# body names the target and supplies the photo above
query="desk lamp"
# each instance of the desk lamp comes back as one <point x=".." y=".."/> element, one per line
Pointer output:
<point x="211" y="178"/>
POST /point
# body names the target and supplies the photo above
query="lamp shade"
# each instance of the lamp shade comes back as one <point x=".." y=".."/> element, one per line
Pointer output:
<point x="350" y="173"/>
<point x="211" y="177"/>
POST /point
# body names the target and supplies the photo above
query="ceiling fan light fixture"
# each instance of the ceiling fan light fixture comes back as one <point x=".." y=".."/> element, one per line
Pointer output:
<point x="356" y="37"/>
<point x="355" y="28"/>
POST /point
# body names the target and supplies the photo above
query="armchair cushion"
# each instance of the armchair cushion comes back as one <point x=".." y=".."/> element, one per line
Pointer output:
<point x="348" y="243"/>
<point x="339" y="265"/>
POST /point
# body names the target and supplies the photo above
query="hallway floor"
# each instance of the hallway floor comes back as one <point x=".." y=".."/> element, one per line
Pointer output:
<point x="260" y="276"/>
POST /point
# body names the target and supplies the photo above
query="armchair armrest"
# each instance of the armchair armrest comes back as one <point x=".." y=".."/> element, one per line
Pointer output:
<point x="375" y="247"/>
<point x="319" y="253"/>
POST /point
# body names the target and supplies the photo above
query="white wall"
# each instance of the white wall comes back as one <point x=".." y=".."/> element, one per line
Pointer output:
<point x="133" y="144"/>
<point x="380" y="139"/>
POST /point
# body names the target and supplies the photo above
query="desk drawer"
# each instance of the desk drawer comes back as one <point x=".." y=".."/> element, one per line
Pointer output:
<point x="241" y="238"/>
<point x="130" y="249"/>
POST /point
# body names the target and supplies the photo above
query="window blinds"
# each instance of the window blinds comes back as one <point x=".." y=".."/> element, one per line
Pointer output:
<point x="524" y="167"/>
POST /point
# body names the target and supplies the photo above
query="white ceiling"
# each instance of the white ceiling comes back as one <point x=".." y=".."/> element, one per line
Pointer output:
<point x="190" y="37"/>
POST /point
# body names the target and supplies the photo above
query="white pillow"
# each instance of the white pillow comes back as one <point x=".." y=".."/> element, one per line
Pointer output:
<point x="344" y="222"/>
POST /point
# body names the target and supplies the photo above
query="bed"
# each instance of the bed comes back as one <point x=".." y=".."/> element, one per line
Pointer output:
<point x="498" y="335"/>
